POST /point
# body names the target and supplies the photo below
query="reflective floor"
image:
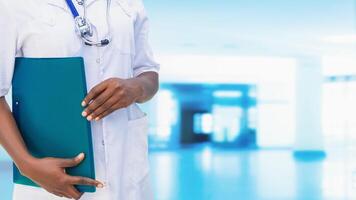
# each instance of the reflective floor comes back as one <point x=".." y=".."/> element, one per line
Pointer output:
<point x="206" y="173"/>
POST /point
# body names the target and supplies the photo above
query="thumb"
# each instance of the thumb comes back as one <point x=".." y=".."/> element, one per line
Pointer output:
<point x="74" y="161"/>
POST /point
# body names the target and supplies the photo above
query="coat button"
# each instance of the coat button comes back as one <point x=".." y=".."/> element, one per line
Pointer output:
<point x="98" y="61"/>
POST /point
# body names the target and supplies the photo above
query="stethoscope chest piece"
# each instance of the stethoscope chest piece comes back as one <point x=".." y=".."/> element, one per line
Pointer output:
<point x="83" y="26"/>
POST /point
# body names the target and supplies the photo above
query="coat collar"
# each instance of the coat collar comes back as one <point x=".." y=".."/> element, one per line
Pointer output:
<point x="58" y="3"/>
<point x="62" y="4"/>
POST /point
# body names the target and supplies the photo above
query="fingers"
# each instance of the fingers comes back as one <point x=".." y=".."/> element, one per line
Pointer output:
<point x="74" y="193"/>
<point x="104" y="114"/>
<point x="98" y="102"/>
<point x="109" y="111"/>
<point x="107" y="97"/>
<point x="69" y="191"/>
<point x="94" y="93"/>
<point x="72" y="162"/>
<point x="107" y="106"/>
<point x="77" y="180"/>
<point x="59" y="194"/>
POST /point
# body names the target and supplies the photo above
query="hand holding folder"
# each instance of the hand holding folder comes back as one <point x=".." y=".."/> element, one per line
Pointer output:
<point x="47" y="95"/>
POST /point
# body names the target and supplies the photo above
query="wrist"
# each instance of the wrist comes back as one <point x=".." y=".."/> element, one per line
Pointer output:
<point x="138" y="89"/>
<point x="25" y="164"/>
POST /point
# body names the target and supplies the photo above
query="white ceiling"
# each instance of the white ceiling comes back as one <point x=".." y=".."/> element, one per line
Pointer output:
<point x="252" y="27"/>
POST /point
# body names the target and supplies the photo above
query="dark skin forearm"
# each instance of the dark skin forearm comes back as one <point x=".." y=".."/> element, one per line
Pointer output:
<point x="149" y="82"/>
<point x="10" y="137"/>
<point x="115" y="93"/>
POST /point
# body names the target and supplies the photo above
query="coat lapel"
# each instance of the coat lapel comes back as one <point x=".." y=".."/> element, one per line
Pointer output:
<point x="59" y="3"/>
<point x="63" y="5"/>
<point x="124" y="6"/>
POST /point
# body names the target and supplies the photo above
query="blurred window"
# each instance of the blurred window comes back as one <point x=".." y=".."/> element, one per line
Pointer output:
<point x="203" y="123"/>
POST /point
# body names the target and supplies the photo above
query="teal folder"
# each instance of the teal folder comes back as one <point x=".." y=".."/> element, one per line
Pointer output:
<point x="47" y="96"/>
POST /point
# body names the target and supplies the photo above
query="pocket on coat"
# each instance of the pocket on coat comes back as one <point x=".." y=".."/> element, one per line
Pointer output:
<point x="137" y="154"/>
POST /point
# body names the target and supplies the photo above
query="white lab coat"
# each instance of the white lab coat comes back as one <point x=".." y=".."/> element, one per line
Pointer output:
<point x="45" y="28"/>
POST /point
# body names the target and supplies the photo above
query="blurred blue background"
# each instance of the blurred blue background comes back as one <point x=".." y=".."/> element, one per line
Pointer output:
<point x="257" y="100"/>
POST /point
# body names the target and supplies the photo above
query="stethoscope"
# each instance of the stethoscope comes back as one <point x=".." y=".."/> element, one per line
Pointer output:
<point x="83" y="26"/>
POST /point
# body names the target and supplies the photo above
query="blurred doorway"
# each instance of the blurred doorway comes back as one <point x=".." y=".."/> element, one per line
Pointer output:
<point x="222" y="114"/>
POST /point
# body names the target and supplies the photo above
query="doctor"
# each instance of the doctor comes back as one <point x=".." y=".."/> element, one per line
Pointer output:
<point x="120" y="72"/>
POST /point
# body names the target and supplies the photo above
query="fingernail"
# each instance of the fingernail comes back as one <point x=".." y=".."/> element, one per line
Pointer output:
<point x="100" y="185"/>
<point x="84" y="114"/>
<point x="97" y="119"/>
<point x="90" y="118"/>
<point x="81" y="155"/>
<point x="84" y="104"/>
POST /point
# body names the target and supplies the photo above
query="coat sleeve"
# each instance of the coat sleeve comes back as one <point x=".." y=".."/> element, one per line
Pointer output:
<point x="144" y="60"/>
<point x="8" y="33"/>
